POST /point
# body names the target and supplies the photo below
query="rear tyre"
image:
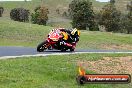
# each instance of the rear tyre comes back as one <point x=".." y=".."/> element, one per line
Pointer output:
<point x="63" y="50"/>
<point x="72" y="50"/>
<point x="42" y="46"/>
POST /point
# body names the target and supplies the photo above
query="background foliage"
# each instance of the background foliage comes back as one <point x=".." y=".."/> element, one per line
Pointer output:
<point x="40" y="15"/>
<point x="19" y="14"/>
<point x="110" y="17"/>
<point x="81" y="12"/>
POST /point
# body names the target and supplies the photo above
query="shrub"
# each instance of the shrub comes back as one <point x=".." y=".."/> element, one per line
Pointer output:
<point x="110" y="17"/>
<point x="19" y="14"/>
<point x="82" y="14"/>
<point x="65" y="14"/>
<point x="127" y="19"/>
<point x="40" y="16"/>
<point x="57" y="11"/>
<point x="126" y="24"/>
<point x="1" y="11"/>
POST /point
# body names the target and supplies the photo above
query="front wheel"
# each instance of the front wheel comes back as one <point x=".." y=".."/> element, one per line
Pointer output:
<point x="42" y="46"/>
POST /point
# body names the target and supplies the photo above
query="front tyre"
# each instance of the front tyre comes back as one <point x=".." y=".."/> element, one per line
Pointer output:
<point x="42" y="46"/>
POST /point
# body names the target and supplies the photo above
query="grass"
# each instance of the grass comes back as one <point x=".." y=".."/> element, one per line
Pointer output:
<point x="49" y="72"/>
<point x="13" y="33"/>
<point x="24" y="34"/>
<point x="62" y="5"/>
<point x="52" y="5"/>
<point x="97" y="39"/>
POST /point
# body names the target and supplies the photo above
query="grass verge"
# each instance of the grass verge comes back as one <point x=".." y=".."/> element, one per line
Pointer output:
<point x="14" y="33"/>
<point x="49" y="72"/>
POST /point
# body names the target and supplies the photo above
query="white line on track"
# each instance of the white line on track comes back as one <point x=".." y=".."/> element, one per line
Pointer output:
<point x="37" y="55"/>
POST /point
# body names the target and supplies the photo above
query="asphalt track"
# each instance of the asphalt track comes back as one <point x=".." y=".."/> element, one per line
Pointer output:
<point x="13" y="52"/>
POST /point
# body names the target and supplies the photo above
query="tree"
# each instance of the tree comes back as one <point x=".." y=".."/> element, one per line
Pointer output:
<point x="112" y="1"/>
<point x="82" y="14"/>
<point x="19" y="14"/>
<point x="128" y="25"/>
<point x="110" y="17"/>
<point x="129" y="8"/>
<point x="40" y="16"/>
<point x="1" y="11"/>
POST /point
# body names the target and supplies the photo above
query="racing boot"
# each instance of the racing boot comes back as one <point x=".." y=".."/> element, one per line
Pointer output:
<point x="72" y="47"/>
<point x="68" y="44"/>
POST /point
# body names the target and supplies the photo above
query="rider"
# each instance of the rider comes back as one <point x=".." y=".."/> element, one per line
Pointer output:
<point x="70" y="36"/>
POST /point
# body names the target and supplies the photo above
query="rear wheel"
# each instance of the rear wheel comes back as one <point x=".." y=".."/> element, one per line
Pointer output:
<point x="63" y="50"/>
<point x="72" y="50"/>
<point x="42" y="46"/>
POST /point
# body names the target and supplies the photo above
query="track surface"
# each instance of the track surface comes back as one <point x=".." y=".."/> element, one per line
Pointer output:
<point x="19" y="51"/>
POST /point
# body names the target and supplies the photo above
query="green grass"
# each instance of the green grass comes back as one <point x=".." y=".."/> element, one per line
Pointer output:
<point x="26" y="34"/>
<point x="97" y="39"/>
<point x="13" y="33"/>
<point x="49" y="72"/>
<point x="62" y="5"/>
<point x="23" y="34"/>
<point x="52" y="5"/>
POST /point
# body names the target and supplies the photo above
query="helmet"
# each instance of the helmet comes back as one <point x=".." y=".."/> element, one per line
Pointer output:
<point x="75" y="31"/>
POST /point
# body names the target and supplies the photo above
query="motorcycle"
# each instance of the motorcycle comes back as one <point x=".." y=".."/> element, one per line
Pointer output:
<point x="53" y="41"/>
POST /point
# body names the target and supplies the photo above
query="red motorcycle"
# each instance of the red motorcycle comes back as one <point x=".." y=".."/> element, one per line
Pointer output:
<point x="53" y="41"/>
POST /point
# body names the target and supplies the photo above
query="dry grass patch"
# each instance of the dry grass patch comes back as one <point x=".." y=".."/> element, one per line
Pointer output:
<point x="117" y="46"/>
<point x="110" y="65"/>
